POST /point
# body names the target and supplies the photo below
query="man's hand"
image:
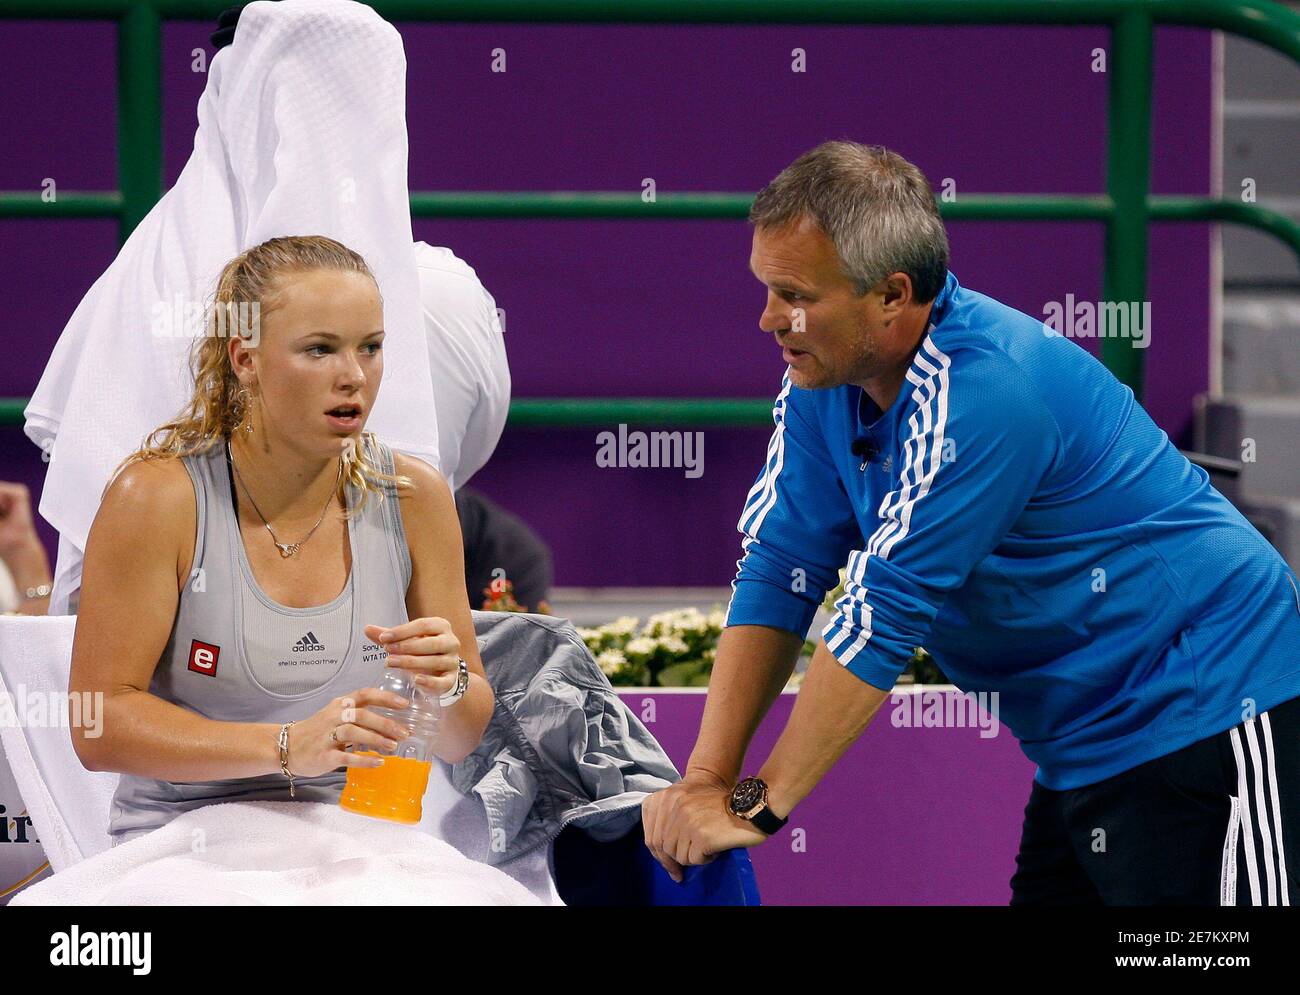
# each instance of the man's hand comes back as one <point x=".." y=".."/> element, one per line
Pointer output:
<point x="691" y="822"/>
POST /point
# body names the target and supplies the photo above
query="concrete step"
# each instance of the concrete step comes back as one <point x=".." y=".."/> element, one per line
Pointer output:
<point x="1261" y="122"/>
<point x="1261" y="431"/>
<point x="1255" y="259"/>
<point x="1256" y="72"/>
<point x="1259" y="142"/>
<point x="593" y="606"/>
<point x="1261" y="343"/>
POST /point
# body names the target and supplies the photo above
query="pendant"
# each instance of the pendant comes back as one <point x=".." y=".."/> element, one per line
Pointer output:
<point x="287" y="549"/>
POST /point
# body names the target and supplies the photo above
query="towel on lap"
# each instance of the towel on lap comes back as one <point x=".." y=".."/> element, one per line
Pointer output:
<point x="279" y="853"/>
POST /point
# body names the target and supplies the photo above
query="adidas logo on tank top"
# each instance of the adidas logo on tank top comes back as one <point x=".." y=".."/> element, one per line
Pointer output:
<point x="309" y="644"/>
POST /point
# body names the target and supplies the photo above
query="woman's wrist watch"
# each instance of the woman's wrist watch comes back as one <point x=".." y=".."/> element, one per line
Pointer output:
<point x="748" y="801"/>
<point x="462" y="684"/>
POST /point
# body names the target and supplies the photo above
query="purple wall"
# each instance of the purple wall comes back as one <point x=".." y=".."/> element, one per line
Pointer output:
<point x="907" y="816"/>
<point x="654" y="308"/>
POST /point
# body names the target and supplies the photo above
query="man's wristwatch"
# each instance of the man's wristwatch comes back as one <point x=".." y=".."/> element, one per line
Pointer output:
<point x="749" y="802"/>
<point x="462" y="683"/>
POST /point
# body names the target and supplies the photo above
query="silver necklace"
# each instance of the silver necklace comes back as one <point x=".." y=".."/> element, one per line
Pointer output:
<point x="287" y="549"/>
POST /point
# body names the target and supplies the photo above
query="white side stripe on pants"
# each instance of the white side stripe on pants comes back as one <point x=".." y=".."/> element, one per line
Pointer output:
<point x="1261" y="813"/>
<point x="1247" y="833"/>
<point x="1277" y="807"/>
<point x="1257" y="794"/>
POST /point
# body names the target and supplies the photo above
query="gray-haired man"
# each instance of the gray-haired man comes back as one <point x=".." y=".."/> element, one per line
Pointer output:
<point x="974" y="471"/>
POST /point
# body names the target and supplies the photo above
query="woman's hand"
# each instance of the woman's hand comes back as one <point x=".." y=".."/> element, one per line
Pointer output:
<point x="427" y="646"/>
<point x="311" y="750"/>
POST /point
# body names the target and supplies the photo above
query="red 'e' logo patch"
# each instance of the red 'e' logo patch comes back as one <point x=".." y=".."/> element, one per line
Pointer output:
<point x="203" y="658"/>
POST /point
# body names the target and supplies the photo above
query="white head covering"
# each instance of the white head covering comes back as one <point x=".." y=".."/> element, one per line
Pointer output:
<point x="467" y="356"/>
<point x="302" y="131"/>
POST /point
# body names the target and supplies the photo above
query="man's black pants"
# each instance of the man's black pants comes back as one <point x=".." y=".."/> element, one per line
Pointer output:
<point x="1215" y="823"/>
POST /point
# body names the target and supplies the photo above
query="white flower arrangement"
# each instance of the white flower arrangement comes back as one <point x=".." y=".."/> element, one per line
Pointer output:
<point x="616" y="666"/>
<point x="677" y="648"/>
<point x="623" y="625"/>
<point x="673" y="649"/>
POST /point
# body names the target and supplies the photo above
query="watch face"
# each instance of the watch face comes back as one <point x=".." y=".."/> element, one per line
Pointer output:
<point x="747" y="794"/>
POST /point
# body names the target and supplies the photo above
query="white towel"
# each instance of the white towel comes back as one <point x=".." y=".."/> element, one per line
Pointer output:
<point x="302" y="130"/>
<point x="68" y="804"/>
<point x="467" y="354"/>
<point x="279" y="853"/>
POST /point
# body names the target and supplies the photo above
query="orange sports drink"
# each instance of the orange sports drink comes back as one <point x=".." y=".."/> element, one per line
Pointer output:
<point x="392" y="791"/>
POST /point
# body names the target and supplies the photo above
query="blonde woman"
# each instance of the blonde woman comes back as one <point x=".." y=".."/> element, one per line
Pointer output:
<point x="255" y="566"/>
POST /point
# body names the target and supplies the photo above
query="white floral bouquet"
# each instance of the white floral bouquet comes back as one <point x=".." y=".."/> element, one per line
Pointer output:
<point x="673" y="649"/>
<point x="677" y="648"/>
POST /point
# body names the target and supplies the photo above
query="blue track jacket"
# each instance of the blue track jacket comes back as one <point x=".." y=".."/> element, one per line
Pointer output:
<point x="1023" y="519"/>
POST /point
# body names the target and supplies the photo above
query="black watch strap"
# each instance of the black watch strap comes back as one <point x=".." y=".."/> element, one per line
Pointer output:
<point x="749" y="802"/>
<point x="767" y="821"/>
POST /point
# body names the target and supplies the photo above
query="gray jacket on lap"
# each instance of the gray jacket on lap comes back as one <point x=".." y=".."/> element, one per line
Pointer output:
<point x="562" y="748"/>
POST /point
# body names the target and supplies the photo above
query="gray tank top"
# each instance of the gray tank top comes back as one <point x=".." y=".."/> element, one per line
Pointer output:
<point x="235" y="655"/>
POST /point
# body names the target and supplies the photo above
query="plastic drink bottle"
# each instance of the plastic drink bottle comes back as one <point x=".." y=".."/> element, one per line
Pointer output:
<point x="394" y="790"/>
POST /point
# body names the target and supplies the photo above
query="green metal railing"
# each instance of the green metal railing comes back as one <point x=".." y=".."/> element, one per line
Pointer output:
<point x="1126" y="208"/>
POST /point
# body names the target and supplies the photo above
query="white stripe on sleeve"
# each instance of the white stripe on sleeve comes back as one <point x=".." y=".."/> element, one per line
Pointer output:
<point x="922" y="453"/>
